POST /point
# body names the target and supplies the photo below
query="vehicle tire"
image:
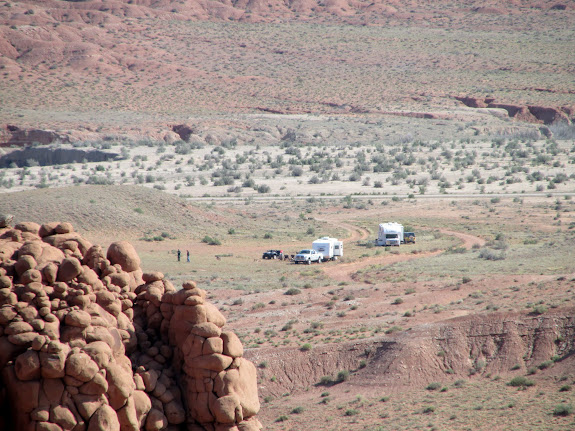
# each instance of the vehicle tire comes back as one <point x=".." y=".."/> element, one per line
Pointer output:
<point x="274" y="257"/>
<point x="309" y="262"/>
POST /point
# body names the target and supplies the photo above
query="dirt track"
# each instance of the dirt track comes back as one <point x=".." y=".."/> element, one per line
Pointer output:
<point x="344" y="271"/>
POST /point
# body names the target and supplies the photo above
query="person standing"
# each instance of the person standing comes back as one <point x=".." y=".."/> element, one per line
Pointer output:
<point x="188" y="255"/>
<point x="179" y="254"/>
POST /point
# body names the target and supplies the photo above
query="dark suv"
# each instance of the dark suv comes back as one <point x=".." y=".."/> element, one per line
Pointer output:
<point x="273" y="254"/>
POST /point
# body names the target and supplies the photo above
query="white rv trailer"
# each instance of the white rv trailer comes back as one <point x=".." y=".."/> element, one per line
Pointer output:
<point x="390" y="234"/>
<point x="329" y="248"/>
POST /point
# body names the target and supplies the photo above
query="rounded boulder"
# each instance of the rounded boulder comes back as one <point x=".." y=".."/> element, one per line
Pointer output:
<point x="124" y="254"/>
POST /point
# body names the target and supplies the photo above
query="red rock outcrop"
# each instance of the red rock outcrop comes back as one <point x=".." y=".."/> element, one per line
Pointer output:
<point x="90" y="342"/>
<point x="528" y="113"/>
<point x="18" y="136"/>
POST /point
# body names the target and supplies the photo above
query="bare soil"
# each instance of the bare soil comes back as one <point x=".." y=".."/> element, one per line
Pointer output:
<point x="431" y="104"/>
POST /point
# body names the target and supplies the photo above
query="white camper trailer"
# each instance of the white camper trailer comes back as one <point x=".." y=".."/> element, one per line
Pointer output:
<point x="329" y="248"/>
<point x="337" y="249"/>
<point x="390" y="234"/>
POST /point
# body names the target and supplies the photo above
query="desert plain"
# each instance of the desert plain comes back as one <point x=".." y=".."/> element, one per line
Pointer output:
<point x="226" y="129"/>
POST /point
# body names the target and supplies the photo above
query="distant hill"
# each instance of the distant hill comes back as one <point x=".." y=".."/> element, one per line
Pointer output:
<point x="129" y="211"/>
<point x="103" y="12"/>
<point x="84" y="65"/>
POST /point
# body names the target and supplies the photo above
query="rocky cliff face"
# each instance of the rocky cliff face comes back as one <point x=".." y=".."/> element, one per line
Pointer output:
<point x="90" y="342"/>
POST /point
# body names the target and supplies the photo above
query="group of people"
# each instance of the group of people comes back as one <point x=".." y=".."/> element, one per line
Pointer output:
<point x="187" y="255"/>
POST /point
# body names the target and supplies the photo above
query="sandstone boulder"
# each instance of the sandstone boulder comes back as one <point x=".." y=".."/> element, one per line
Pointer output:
<point x="27" y="366"/>
<point x="104" y="419"/>
<point x="81" y="367"/>
<point x="69" y="316"/>
<point x="124" y="254"/>
<point x="232" y="346"/>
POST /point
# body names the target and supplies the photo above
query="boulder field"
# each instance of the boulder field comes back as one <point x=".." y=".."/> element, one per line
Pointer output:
<point x="88" y="341"/>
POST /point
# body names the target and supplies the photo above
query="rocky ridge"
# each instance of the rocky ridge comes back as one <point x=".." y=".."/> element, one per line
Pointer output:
<point x="527" y="113"/>
<point x="88" y="341"/>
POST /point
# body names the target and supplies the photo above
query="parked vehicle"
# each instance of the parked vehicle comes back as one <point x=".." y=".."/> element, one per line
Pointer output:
<point x="308" y="256"/>
<point x="409" y="237"/>
<point x="390" y="234"/>
<point x="329" y="248"/>
<point x="273" y="254"/>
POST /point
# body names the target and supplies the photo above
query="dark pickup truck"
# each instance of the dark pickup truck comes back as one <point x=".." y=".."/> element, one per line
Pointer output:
<point x="273" y="254"/>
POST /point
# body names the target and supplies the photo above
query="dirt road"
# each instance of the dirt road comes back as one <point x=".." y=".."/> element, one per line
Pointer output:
<point x="344" y="271"/>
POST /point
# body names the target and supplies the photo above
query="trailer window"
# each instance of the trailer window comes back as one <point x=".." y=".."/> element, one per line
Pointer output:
<point x="391" y="235"/>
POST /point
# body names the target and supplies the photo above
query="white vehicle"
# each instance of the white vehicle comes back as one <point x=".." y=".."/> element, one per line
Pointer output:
<point x="307" y="256"/>
<point x="329" y="248"/>
<point x="390" y="234"/>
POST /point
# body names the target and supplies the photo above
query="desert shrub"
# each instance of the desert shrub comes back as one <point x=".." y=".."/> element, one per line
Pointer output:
<point x="342" y="376"/>
<point x="305" y="347"/>
<point x="354" y="177"/>
<point x="521" y="382"/>
<point x="314" y="180"/>
<point x="563" y="130"/>
<point x="297" y="410"/>
<point x="433" y="386"/>
<point x="211" y="241"/>
<point x="545" y="364"/>
<point x="539" y="309"/>
<point x="249" y="183"/>
<point x="296" y="171"/>
<point x="459" y="383"/>
<point x="264" y="188"/>
<point x="268" y="235"/>
<point x="397" y="301"/>
<point x="429" y="409"/>
<point x="351" y="412"/>
<point x="100" y="180"/>
<point x="565" y="388"/>
<point x="292" y="291"/>
<point x="455" y="250"/>
<point x="325" y="381"/>
<point x="393" y="329"/>
<point x="488" y="254"/>
<point x="282" y="418"/>
<point x="563" y="410"/>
